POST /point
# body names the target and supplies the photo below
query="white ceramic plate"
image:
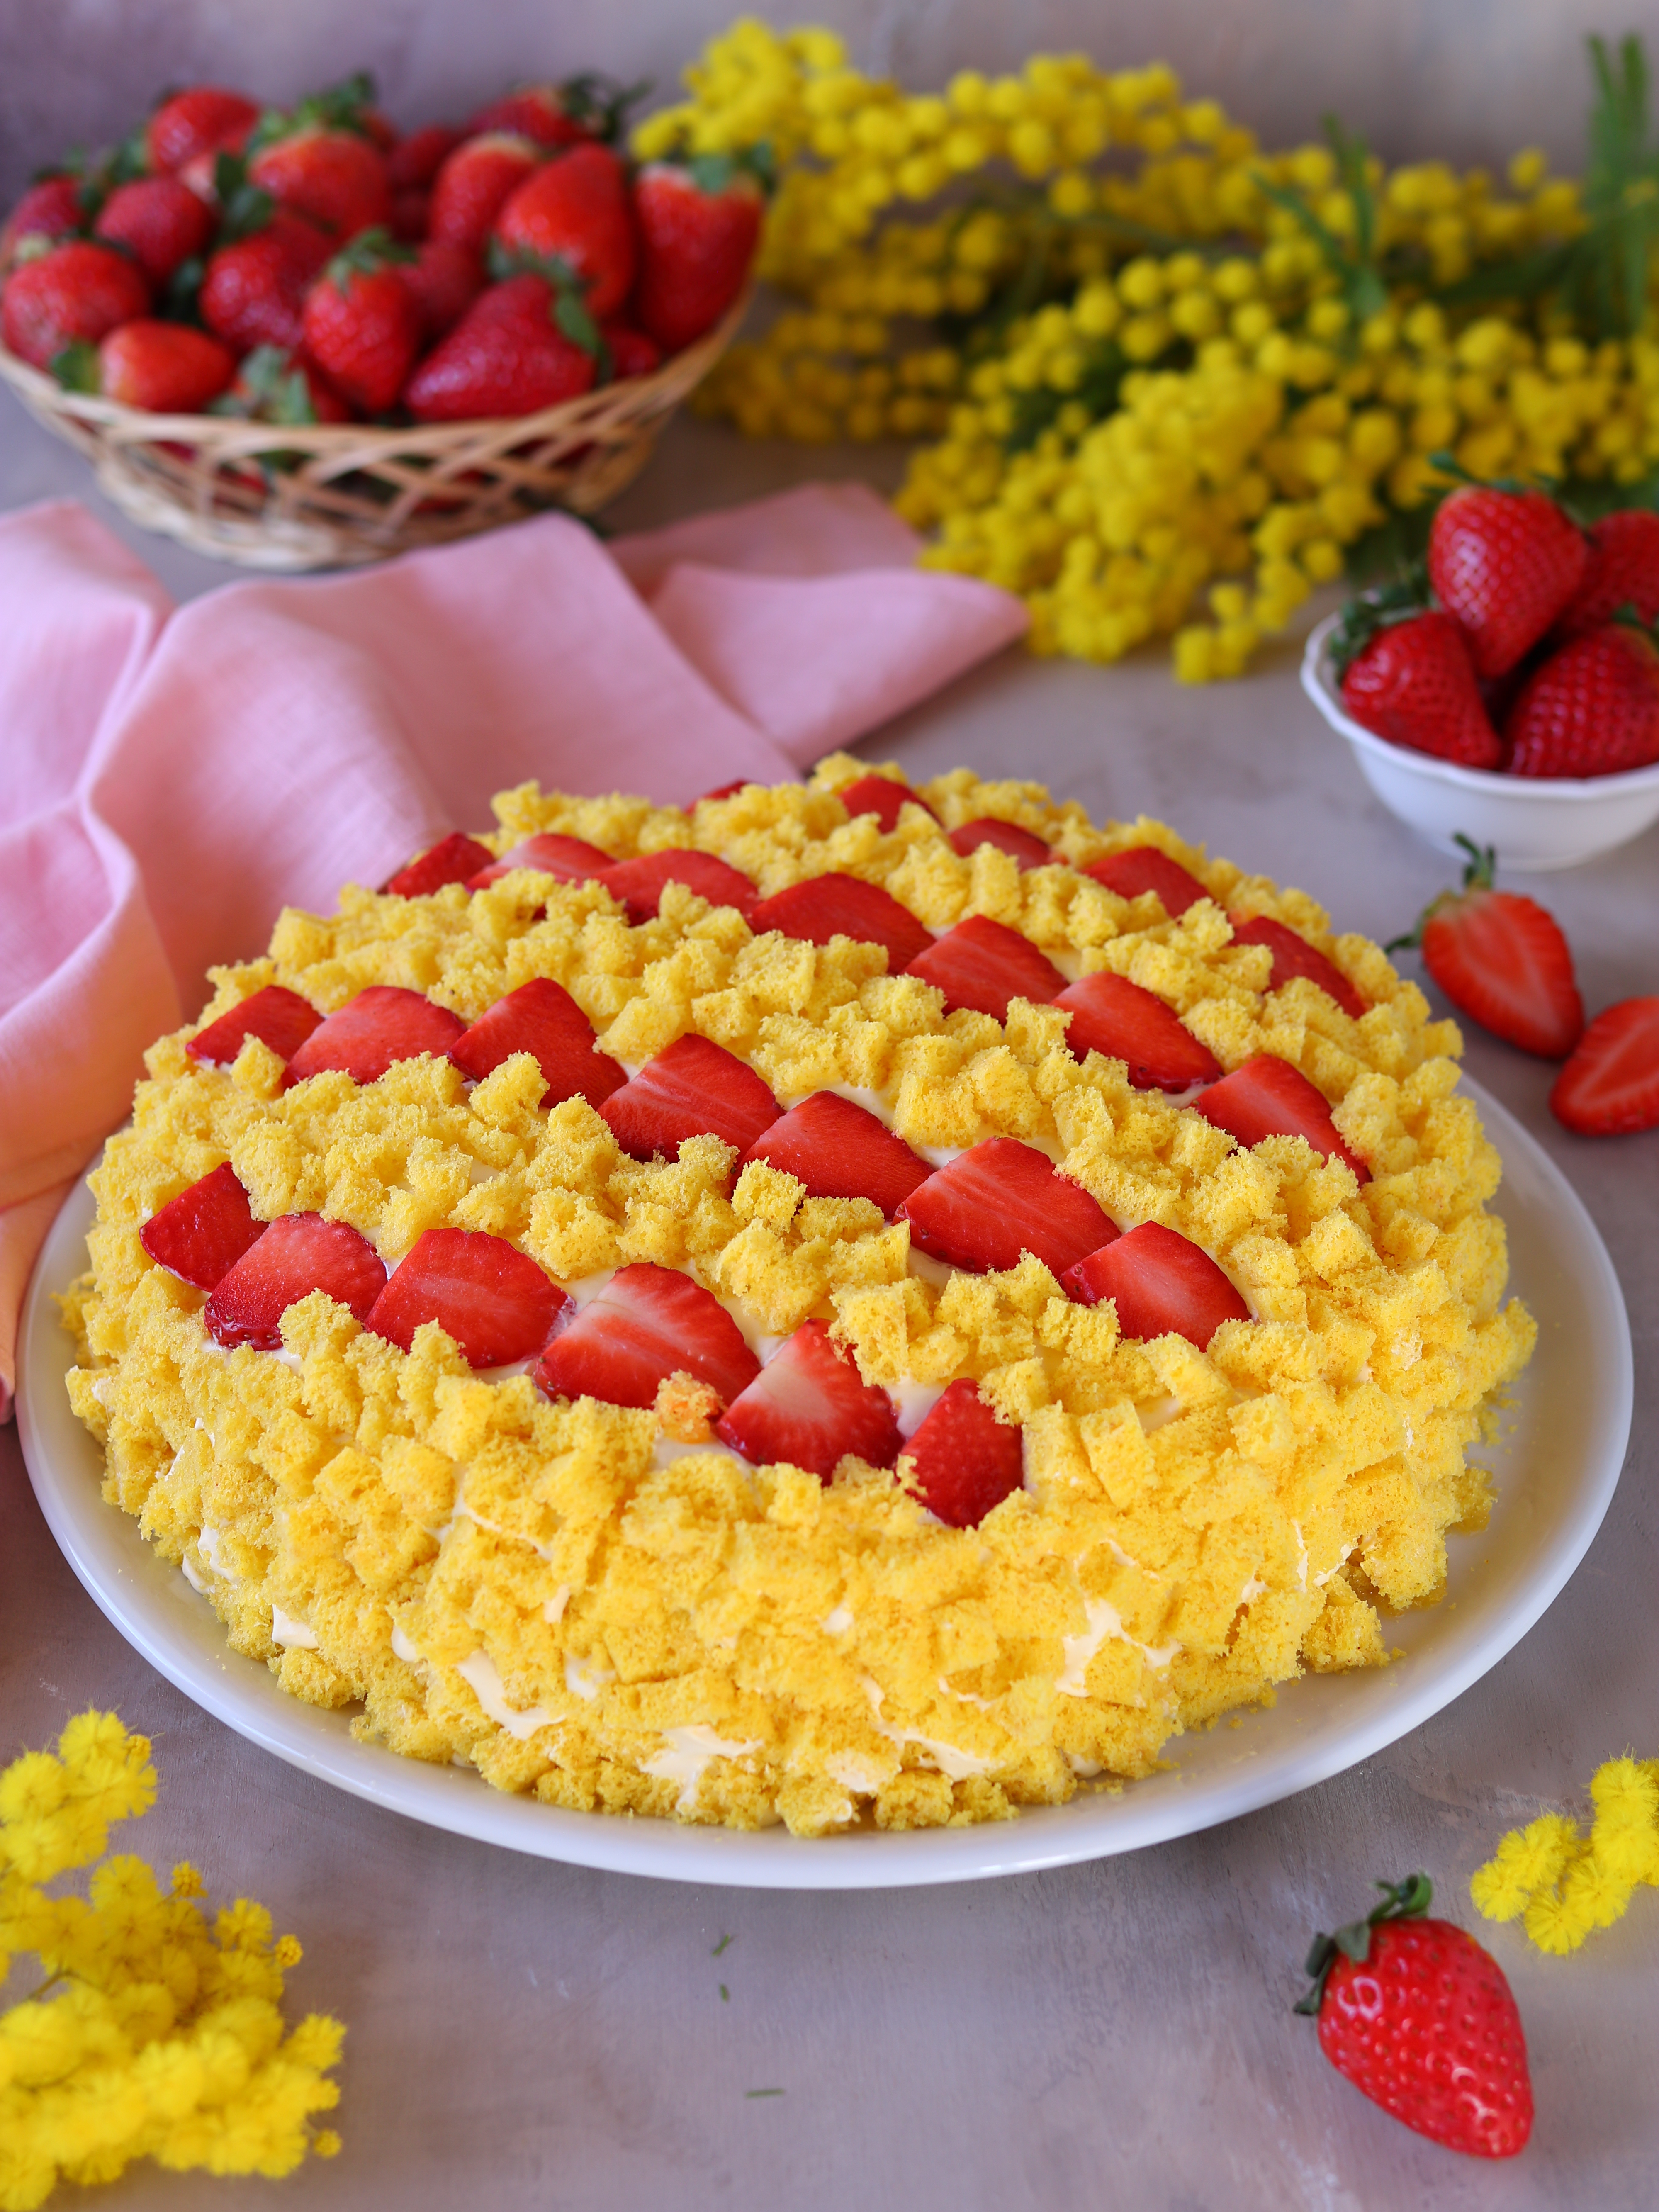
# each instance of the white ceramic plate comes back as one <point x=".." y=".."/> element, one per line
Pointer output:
<point x="1557" y="1467"/>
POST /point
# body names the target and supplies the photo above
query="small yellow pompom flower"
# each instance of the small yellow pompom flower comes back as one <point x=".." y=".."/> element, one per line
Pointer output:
<point x="1561" y="1884"/>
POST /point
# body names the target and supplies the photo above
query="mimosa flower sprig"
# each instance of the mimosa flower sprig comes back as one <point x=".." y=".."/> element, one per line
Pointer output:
<point x="1562" y="1884"/>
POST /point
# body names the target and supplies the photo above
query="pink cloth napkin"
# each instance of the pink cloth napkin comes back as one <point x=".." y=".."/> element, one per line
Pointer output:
<point x="171" y="777"/>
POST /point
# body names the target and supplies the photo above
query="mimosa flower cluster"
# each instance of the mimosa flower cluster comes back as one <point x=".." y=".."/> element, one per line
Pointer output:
<point x="1562" y="1884"/>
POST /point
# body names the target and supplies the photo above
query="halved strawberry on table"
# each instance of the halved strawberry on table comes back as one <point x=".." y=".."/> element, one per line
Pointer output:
<point x="494" y="1300"/>
<point x="542" y="1018"/>
<point x="647" y="1323"/>
<point x="1501" y="958"/>
<point x="381" y="1025"/>
<point x="574" y="210"/>
<point x="699" y="225"/>
<point x="983" y="965"/>
<point x="566" y="860"/>
<point x="999" y="1200"/>
<point x="1293" y="956"/>
<point x="1023" y="847"/>
<point x="454" y="859"/>
<point x="1610" y="1085"/>
<point x="298" y="1254"/>
<point x="883" y="796"/>
<point x="1141" y="868"/>
<point x="823" y="908"/>
<point x="1161" y="1283"/>
<point x="809" y="1405"/>
<point x="963" y="1458"/>
<point x="640" y="883"/>
<point x="1268" y="1098"/>
<point x="694" y="1088"/>
<point x="836" y="1148"/>
<point x="1124" y="1021"/>
<point x="200" y="1235"/>
<point x="276" y="1016"/>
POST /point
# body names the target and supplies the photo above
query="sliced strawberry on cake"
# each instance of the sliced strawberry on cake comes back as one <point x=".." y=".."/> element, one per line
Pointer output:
<point x="964" y="1459"/>
<point x="452" y="860"/>
<point x="276" y="1016"/>
<point x="542" y="1018"/>
<point x="809" y="1405"/>
<point x="882" y="796"/>
<point x="694" y="1089"/>
<point x="827" y="906"/>
<point x="838" y="1149"/>
<point x="1294" y="956"/>
<point x="1145" y="868"/>
<point x="1000" y="1199"/>
<point x="380" y="1025"/>
<point x="1022" y="846"/>
<point x="201" y="1235"/>
<point x="641" y="883"/>
<point x="982" y="965"/>
<point x="566" y="860"/>
<point x="1112" y="1016"/>
<point x="1162" y="1284"/>
<point x="494" y="1300"/>
<point x="298" y="1253"/>
<point x="647" y="1323"/>
<point x="1268" y="1098"/>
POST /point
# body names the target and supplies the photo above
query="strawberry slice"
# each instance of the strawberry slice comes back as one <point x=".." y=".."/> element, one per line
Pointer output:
<point x="1112" y="1016"/>
<point x="839" y="1149"/>
<point x="827" y="906"/>
<point x="639" y="883"/>
<point x="1268" y="1098"/>
<point x="452" y="860"/>
<point x="298" y="1254"/>
<point x="724" y="790"/>
<point x="566" y="860"/>
<point x="694" y="1089"/>
<point x="966" y="1460"/>
<point x="1501" y="958"/>
<point x="201" y="1235"/>
<point x="1000" y="1199"/>
<point x="809" y="1405"/>
<point x="278" y="1016"/>
<point x="1610" y="1084"/>
<point x="882" y="796"/>
<point x="1294" y="956"/>
<point x="1148" y="868"/>
<point x="381" y="1024"/>
<point x="492" y="1299"/>
<point x="541" y="1018"/>
<point x="1162" y="1284"/>
<point x="982" y="964"/>
<point x="1024" y="846"/>
<point x="647" y="1323"/>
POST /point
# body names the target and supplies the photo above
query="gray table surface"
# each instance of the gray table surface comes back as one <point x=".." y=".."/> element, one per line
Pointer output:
<point x="524" y="2034"/>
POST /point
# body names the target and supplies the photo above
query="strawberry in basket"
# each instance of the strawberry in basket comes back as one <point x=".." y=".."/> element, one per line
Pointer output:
<point x="699" y="225"/>
<point x="77" y="290"/>
<point x="323" y="161"/>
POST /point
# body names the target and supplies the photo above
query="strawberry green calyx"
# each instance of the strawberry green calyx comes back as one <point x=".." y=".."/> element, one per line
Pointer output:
<point x="600" y="103"/>
<point x="371" y="250"/>
<point x="341" y="106"/>
<point x="714" y="173"/>
<point x="244" y="207"/>
<point x="1478" y="875"/>
<point x="78" y="369"/>
<point x="570" y="308"/>
<point x="1402" y="1900"/>
<point x="1377" y="609"/>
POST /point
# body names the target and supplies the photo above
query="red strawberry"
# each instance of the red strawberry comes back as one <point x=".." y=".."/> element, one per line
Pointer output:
<point x="724" y="790"/>
<point x="1610" y="1085"/>
<point x="452" y="860"/>
<point x="997" y="1199"/>
<point x="411" y="211"/>
<point x="74" y="290"/>
<point x="639" y="883"/>
<point x="1268" y="1098"/>
<point x="1501" y="960"/>
<point x="274" y="384"/>
<point x="982" y="964"/>
<point x="254" y="291"/>
<point x="1142" y="868"/>
<point x="1413" y="682"/>
<point x="414" y="161"/>
<point x="575" y="210"/>
<point x="632" y="354"/>
<point x="444" y="280"/>
<point x="838" y="1149"/>
<point x="201" y="1235"/>
<point x="473" y="183"/>
<point x="809" y="1405"/>
<point x="566" y="860"/>
<point x="200" y="120"/>
<point x="1022" y="846"/>
<point x="507" y="355"/>
<point x="1294" y="956"/>
<point x="541" y="1018"/>
<point x="51" y="208"/>
<point x="335" y="176"/>
<point x="1592" y="709"/>
<point x="1160" y="1282"/>
<point x="1423" y="2022"/>
<point x="1504" y="565"/>
<point x="699" y="227"/>
<point x="647" y="1323"/>
<point x="362" y="323"/>
<point x="159" y="221"/>
<point x="380" y="1025"/>
<point x="883" y="796"/>
<point x="536" y="112"/>
<point x="965" y="1459"/>
<point x="166" y="368"/>
<point x="824" y="907"/>
<point x="298" y="1253"/>
<point x="276" y="1016"/>
<point x="1113" y="1015"/>
<point x="693" y="1088"/>
<point x="494" y="1300"/>
<point x="1622" y="571"/>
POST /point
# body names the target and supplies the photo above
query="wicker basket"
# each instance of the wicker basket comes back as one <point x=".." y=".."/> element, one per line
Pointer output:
<point x="351" y="493"/>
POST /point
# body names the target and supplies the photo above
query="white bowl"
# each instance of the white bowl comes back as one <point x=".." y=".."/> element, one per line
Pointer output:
<point x="1535" y="822"/>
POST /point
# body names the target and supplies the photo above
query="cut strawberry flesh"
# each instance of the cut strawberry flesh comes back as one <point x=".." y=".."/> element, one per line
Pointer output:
<point x="694" y="1089"/>
<point x="298" y="1254"/>
<point x="1268" y="1098"/>
<point x="1501" y="958"/>
<point x="380" y="1026"/>
<point x="494" y="1300"/>
<point x="566" y="860"/>
<point x="541" y="1018"/>
<point x="1112" y="1016"/>
<point x="647" y="1323"/>
<point x="724" y="790"/>
<point x="966" y="1460"/>
<point x="278" y="1016"/>
<point x="838" y="1149"/>
<point x="1162" y="1284"/>
<point x="639" y="883"/>
<point x="201" y="1235"/>
<point x="828" y="907"/>
<point x="454" y="859"/>
<point x="1000" y="1199"/>
<point x="1145" y="868"/>
<point x="1294" y="956"/>
<point x="1021" y="845"/>
<point x="1610" y="1086"/>
<point x="882" y="796"/>
<point x="982" y="965"/>
<point x="809" y="1405"/>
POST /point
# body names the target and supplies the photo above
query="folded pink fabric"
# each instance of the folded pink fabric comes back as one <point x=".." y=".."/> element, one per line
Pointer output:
<point x="171" y="777"/>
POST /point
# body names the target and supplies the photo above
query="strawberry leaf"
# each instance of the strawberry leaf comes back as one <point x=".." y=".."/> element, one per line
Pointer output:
<point x="77" y="368"/>
<point x="1377" y="609"/>
<point x="1402" y="1900"/>
<point x="600" y="103"/>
